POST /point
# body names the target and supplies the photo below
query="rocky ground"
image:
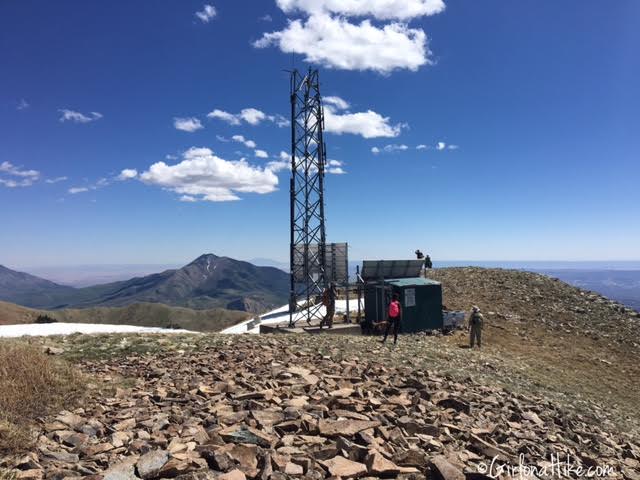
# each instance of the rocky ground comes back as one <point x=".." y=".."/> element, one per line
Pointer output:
<point x="555" y="382"/>
<point x="213" y="406"/>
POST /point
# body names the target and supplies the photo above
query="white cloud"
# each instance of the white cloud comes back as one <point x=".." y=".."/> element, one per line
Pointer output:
<point x="207" y="13"/>
<point x="77" y="117"/>
<point x="189" y="124"/>
<point x="261" y="154"/>
<point x="56" y="180"/>
<point x="127" y="174"/>
<point x="266" y="18"/>
<point x="11" y="169"/>
<point x="441" y="146"/>
<point x="220" y="138"/>
<point x="280" y="121"/>
<point x="230" y="118"/>
<point x="188" y="198"/>
<point x="202" y="175"/>
<point x="337" y="102"/>
<point x="390" y="148"/>
<point x="283" y="163"/>
<point x="278" y="165"/>
<point x="247" y="143"/>
<point x="22" y="105"/>
<point x="453" y="147"/>
<point x="252" y="116"/>
<point x="379" y="9"/>
<point x="334" y="42"/>
<point x="422" y="146"/>
<point x="369" y="124"/>
<point x="26" y="177"/>
<point x="27" y="182"/>
<point x="335" y="167"/>
<point x="100" y="183"/>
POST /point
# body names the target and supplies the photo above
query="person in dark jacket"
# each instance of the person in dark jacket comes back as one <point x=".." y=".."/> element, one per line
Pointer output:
<point x="395" y="316"/>
<point x="476" y="323"/>
<point x="427" y="262"/>
<point x="329" y="301"/>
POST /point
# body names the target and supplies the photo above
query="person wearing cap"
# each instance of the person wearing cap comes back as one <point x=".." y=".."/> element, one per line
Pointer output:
<point x="476" y="321"/>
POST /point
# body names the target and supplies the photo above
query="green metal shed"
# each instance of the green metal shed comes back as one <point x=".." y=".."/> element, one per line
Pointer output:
<point x="421" y="301"/>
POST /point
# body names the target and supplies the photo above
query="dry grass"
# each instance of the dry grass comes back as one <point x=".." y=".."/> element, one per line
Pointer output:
<point x="33" y="384"/>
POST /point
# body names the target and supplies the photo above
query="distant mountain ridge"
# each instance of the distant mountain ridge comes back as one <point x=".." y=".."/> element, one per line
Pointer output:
<point x="29" y="290"/>
<point x="207" y="282"/>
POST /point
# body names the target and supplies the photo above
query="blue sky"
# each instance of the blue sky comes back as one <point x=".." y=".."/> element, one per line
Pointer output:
<point x="527" y="114"/>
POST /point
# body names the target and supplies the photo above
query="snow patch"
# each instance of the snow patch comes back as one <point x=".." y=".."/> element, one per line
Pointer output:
<point x="59" y="328"/>
<point x="280" y="315"/>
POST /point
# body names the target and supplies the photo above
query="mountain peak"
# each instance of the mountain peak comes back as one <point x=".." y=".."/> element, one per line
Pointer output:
<point x="204" y="258"/>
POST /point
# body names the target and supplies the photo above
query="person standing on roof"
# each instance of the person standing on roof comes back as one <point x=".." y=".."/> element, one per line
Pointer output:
<point x="420" y="256"/>
<point x="395" y="316"/>
<point x="476" y="323"/>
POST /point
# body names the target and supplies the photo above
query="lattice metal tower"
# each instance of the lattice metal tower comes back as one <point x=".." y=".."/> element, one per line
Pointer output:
<point x="308" y="158"/>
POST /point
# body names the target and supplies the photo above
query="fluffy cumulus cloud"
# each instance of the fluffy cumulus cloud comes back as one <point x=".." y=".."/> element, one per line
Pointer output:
<point x="334" y="42"/>
<point x="260" y="154"/>
<point x="379" y="9"/>
<point x="251" y="116"/>
<point x="127" y="174"/>
<point x="422" y="146"/>
<point x="207" y="13"/>
<point x="368" y="124"/>
<point x="15" y="177"/>
<point x="201" y="175"/>
<point x="327" y="36"/>
<point x="77" y="117"/>
<point x="441" y="146"/>
<point x="189" y="124"/>
<point x="230" y="118"/>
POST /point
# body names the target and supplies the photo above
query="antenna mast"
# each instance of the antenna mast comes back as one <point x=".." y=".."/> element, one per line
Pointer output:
<point x="308" y="159"/>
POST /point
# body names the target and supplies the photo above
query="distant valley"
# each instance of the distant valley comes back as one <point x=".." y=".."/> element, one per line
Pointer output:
<point x="620" y="285"/>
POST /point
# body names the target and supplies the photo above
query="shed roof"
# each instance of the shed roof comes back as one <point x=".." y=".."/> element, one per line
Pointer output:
<point x="411" y="282"/>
